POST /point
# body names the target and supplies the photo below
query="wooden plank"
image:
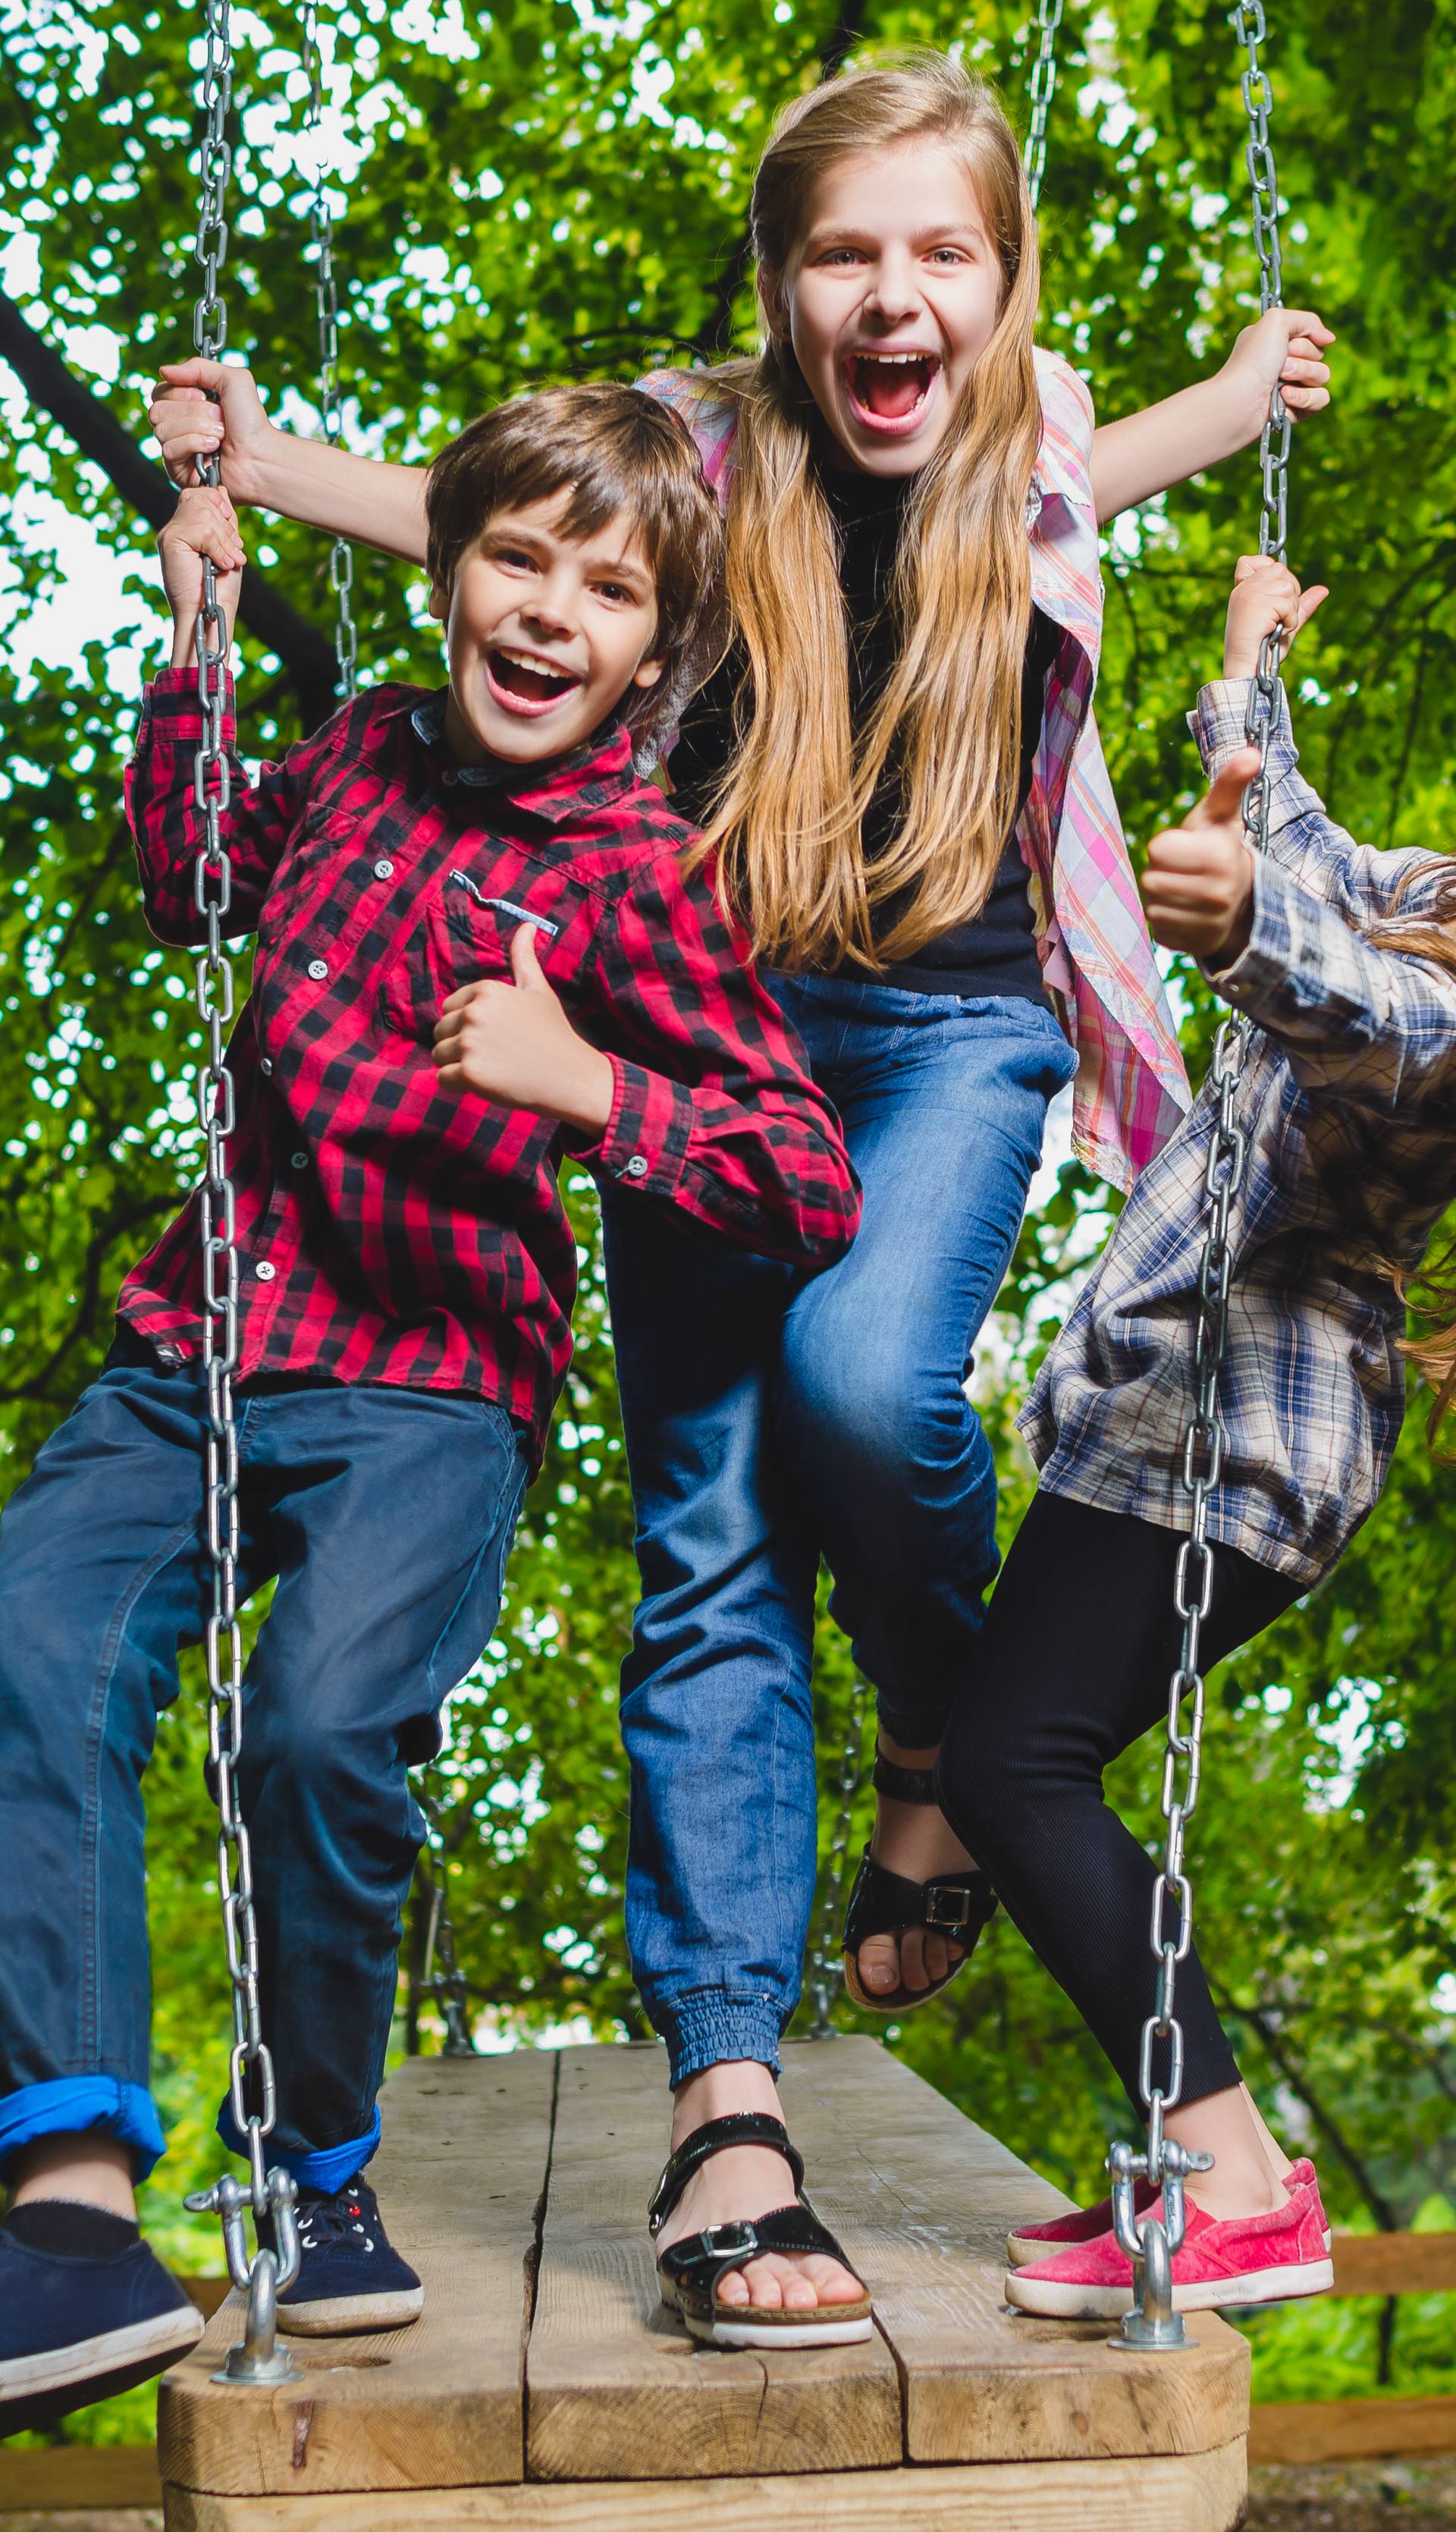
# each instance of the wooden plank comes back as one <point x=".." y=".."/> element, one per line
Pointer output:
<point x="439" y="2405"/>
<point x="923" y="2200"/>
<point x="66" y="2476"/>
<point x="1386" y="2263"/>
<point x="1194" y="2493"/>
<point x="616" y="2389"/>
<point x="1303" y="2430"/>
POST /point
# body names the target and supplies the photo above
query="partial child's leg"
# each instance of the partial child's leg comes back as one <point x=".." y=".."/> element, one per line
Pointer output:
<point x="390" y="1516"/>
<point x="945" y="1105"/>
<point x="716" y="1717"/>
<point x="101" y="1577"/>
<point x="1074" y="1662"/>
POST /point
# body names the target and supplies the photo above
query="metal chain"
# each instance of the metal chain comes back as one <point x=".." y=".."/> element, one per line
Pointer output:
<point x="326" y="296"/>
<point x="1153" y="2321"/>
<point x="826" y="1959"/>
<point x="250" y="2063"/>
<point x="447" y="1982"/>
<point x="1042" y="87"/>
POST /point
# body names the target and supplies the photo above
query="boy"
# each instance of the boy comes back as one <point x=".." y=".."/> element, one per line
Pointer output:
<point x="476" y="950"/>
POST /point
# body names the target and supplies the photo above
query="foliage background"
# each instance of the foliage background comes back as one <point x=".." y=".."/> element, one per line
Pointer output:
<point x="546" y="189"/>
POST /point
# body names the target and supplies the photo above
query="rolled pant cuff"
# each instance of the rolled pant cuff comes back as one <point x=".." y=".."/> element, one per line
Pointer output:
<point x="83" y="2106"/>
<point x="914" y="1726"/>
<point x="709" y="2026"/>
<point x="325" y="2167"/>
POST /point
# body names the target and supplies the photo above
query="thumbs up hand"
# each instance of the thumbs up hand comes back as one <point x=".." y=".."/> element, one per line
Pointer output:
<point x="514" y="1044"/>
<point x="1198" y="886"/>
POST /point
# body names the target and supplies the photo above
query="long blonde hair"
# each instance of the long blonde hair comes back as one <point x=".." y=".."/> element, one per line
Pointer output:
<point x="1430" y="1289"/>
<point x="786" y="823"/>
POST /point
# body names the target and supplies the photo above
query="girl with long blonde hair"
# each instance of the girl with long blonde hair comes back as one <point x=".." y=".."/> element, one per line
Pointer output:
<point x="903" y="793"/>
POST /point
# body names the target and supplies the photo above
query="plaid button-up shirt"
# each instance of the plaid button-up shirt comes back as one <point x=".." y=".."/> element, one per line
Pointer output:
<point x="1091" y="935"/>
<point x="1348" y="1098"/>
<point x="390" y="1230"/>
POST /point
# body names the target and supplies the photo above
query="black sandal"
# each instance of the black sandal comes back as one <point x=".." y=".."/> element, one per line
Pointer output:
<point x="688" y="2272"/>
<point x="881" y="1902"/>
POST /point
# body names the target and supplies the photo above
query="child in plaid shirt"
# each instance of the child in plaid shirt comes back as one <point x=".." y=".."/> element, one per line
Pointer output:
<point x="1345" y="960"/>
<point x="477" y="950"/>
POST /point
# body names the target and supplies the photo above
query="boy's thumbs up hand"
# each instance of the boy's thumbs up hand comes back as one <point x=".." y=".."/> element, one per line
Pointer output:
<point x="514" y="1044"/>
<point x="1199" y="883"/>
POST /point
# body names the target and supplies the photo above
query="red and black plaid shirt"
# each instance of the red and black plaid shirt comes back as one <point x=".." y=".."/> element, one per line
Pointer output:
<point x="390" y="1230"/>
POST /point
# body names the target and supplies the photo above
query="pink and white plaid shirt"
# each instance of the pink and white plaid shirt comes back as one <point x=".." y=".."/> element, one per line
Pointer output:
<point x="1130" y="1088"/>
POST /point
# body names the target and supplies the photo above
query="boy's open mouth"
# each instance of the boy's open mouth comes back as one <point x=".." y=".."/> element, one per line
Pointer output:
<point x="523" y="683"/>
<point x="889" y="390"/>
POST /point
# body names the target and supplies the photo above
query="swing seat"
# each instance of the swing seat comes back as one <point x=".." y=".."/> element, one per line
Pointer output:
<point x="545" y="2389"/>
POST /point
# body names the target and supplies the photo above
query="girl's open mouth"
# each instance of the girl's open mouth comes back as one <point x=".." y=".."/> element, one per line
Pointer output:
<point x="889" y="390"/>
<point x="521" y="683"/>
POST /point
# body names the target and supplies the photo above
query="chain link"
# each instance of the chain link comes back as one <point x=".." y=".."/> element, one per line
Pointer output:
<point x="1040" y="88"/>
<point x="1203" y="1437"/>
<point x="826" y="1959"/>
<point x="252" y="2089"/>
<point x="326" y="297"/>
<point x="446" y="1983"/>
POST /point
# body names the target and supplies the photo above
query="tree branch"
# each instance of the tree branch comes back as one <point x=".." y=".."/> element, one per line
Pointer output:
<point x="715" y="331"/>
<point x="306" y="653"/>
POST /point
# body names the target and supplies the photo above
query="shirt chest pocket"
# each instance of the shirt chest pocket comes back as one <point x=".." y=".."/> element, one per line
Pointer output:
<point x="464" y="937"/>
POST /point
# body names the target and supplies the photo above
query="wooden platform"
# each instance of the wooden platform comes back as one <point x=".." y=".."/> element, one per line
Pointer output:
<point x="545" y="2390"/>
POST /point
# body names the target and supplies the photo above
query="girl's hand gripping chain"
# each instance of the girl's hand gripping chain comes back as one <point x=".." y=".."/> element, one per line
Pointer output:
<point x="1198" y="883"/>
<point x="514" y="1044"/>
<point x="203" y="522"/>
<point x="1283" y="348"/>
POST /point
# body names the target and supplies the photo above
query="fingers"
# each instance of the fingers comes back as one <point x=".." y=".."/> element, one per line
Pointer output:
<point x="205" y="522"/>
<point x="1222" y="802"/>
<point x="195" y="372"/>
<point x="1303" y="324"/>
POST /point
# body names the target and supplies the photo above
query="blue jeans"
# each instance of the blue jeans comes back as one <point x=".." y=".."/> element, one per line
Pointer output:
<point x="773" y="1419"/>
<point x="386" y="1517"/>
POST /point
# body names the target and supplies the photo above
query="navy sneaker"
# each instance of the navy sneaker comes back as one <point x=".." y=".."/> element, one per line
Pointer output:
<point x="74" y="2330"/>
<point x="350" y="2278"/>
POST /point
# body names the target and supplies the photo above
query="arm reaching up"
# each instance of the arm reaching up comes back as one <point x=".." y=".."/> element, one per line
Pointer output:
<point x="1147" y="451"/>
<point x="212" y="408"/>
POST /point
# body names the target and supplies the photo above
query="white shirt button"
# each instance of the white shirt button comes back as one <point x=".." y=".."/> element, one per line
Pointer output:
<point x="267" y="1064"/>
<point x="266" y="1270"/>
<point x="385" y="869"/>
<point x="298" y="1160"/>
<point x="318" y="970"/>
<point x="636" y="1166"/>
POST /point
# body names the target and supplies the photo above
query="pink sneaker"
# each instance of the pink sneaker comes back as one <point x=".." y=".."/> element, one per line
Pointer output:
<point x="1243" y="2260"/>
<point x="1085" y="2223"/>
<point x="1065" y="2232"/>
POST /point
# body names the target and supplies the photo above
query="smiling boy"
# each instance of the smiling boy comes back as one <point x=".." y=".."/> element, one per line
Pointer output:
<point x="477" y="952"/>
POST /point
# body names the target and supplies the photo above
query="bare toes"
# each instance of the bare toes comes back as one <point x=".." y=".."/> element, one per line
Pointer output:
<point x="764" y="2283"/>
<point x="831" y="2284"/>
<point x="913" y="1959"/>
<point x="880" y="1964"/>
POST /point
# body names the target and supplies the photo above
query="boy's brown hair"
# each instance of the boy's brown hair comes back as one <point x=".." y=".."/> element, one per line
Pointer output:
<point x="615" y="450"/>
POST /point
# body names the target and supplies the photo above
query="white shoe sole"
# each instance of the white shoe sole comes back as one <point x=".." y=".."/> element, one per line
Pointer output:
<point x="1057" y="2301"/>
<point x="1020" y="2252"/>
<point x="166" y="2334"/>
<point x="341" y="2315"/>
<point x="764" y="2331"/>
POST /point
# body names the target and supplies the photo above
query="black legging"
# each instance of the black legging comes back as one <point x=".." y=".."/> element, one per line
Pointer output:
<point x="1073" y="1665"/>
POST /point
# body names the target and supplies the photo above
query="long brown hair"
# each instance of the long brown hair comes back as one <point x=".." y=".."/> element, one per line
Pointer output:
<point x="786" y="824"/>
<point x="1430" y="1289"/>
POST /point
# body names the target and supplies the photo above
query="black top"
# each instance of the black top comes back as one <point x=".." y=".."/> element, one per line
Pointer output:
<point x="995" y="953"/>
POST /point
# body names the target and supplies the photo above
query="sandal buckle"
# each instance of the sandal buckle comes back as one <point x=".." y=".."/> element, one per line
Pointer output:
<point x="947" y="1911"/>
<point x="734" y="2236"/>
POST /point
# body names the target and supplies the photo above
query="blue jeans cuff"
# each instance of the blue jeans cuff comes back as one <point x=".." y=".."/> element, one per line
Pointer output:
<point x="708" y="2026"/>
<point x="83" y="2106"/>
<point x="324" y="2168"/>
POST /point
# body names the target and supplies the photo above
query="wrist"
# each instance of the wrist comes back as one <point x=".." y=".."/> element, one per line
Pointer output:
<point x="1238" y="406"/>
<point x="257" y="471"/>
<point x="588" y="1099"/>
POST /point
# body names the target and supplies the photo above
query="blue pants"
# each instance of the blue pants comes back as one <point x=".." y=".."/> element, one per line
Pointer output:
<point x="771" y="1419"/>
<point x="386" y="1517"/>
